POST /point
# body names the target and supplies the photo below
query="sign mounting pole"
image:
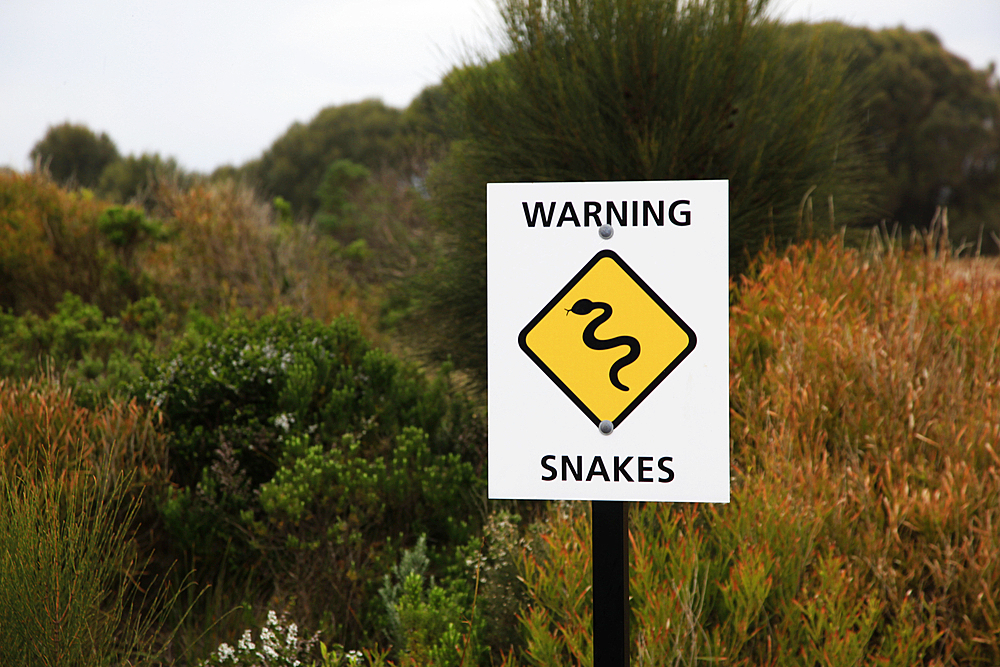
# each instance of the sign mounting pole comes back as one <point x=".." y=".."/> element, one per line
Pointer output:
<point x="609" y="520"/>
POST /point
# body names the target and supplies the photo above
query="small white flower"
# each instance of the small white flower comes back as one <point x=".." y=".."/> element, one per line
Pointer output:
<point x="283" y="421"/>
<point x="292" y="639"/>
<point x="226" y="652"/>
<point x="246" y="642"/>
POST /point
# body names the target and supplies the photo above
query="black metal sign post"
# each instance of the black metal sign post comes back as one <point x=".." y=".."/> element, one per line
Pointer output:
<point x="609" y="534"/>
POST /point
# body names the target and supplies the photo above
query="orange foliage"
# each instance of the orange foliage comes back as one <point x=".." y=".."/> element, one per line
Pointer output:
<point x="43" y="431"/>
<point x="865" y="422"/>
<point x="49" y="244"/>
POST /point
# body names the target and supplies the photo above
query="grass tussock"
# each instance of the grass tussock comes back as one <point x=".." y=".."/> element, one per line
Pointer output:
<point x="43" y="431"/>
<point x="70" y="500"/>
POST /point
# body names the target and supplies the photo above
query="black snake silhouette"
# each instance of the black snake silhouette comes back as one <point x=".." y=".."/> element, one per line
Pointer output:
<point x="585" y="307"/>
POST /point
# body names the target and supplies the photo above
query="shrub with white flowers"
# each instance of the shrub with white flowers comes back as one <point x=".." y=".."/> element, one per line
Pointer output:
<point x="278" y="645"/>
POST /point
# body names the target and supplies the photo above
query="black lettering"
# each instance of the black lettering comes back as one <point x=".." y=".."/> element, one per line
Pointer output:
<point x="647" y="209"/>
<point x="539" y="212"/>
<point x="620" y="469"/>
<point x="576" y="472"/>
<point x="597" y="468"/>
<point x="552" y="471"/>
<point x="635" y="213"/>
<point x="662" y="463"/>
<point x="685" y="214"/>
<point x="568" y="213"/>
<point x="591" y="209"/>
<point x="643" y="468"/>
<point x="621" y="217"/>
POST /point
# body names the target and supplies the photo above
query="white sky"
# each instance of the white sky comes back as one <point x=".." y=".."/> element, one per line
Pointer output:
<point x="214" y="82"/>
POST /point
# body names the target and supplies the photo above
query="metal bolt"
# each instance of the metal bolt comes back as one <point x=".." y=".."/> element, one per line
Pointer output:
<point x="606" y="232"/>
<point x="606" y="427"/>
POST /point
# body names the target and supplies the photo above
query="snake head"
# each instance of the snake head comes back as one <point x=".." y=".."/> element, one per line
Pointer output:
<point x="581" y="307"/>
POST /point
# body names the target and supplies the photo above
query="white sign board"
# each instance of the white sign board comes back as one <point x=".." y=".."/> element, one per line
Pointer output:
<point x="590" y="333"/>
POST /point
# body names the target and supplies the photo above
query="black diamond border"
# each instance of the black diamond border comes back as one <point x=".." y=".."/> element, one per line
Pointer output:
<point x="610" y="254"/>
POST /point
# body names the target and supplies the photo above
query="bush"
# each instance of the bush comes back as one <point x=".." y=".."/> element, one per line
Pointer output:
<point x="74" y="154"/>
<point x="425" y="620"/>
<point x="135" y="180"/>
<point x="49" y="245"/>
<point x="620" y="90"/>
<point x="44" y="431"/>
<point x="299" y="447"/>
<point x="334" y="518"/>
<point x="64" y="592"/>
<point x="93" y="354"/>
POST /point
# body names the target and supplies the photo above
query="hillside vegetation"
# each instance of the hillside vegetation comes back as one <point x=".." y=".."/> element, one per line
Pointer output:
<point x="242" y="416"/>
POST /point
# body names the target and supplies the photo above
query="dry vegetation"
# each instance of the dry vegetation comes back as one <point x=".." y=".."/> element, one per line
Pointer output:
<point x="865" y="394"/>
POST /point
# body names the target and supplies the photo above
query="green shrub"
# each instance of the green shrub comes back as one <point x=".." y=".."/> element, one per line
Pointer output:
<point x="95" y="355"/>
<point x="299" y="448"/>
<point x="74" y="154"/>
<point x="425" y="620"/>
<point x="635" y="90"/>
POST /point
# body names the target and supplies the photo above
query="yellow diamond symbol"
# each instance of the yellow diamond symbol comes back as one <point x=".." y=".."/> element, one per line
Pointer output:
<point x="606" y="339"/>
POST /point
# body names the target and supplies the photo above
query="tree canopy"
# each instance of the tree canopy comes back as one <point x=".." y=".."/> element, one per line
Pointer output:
<point x="74" y="153"/>
<point x="931" y="122"/>
<point x="295" y="164"/>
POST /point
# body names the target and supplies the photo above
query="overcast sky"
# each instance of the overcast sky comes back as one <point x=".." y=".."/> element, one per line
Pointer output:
<point x="213" y="82"/>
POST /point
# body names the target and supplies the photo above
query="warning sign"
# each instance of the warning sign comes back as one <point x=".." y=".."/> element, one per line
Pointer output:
<point x="607" y="312"/>
<point x="607" y="339"/>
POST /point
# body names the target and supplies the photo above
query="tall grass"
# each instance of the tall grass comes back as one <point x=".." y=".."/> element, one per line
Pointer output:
<point x="865" y="396"/>
<point x="44" y="432"/>
<point x="70" y="496"/>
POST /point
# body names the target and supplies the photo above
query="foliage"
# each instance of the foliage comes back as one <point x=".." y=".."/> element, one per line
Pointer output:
<point x="93" y="354"/>
<point x="424" y="618"/>
<point x="931" y="120"/>
<point x="69" y="500"/>
<point x="341" y="182"/>
<point x="125" y="227"/>
<point x="64" y="598"/>
<point x="74" y="154"/>
<point x="427" y="129"/>
<point x="278" y="645"/>
<point x="44" y="431"/>
<point x="331" y="516"/>
<point x="300" y="447"/>
<point x="295" y="164"/>
<point x="500" y="594"/>
<point x="749" y="584"/>
<point x="134" y="179"/>
<point x="49" y="245"/>
<point x="226" y="249"/>
<point x="864" y="422"/>
<point x="623" y="90"/>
